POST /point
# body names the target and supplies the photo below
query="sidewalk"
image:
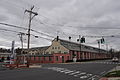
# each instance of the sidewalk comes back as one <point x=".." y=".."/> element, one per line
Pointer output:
<point x="116" y="68"/>
<point x="115" y="78"/>
<point x="35" y="66"/>
<point x="112" y="78"/>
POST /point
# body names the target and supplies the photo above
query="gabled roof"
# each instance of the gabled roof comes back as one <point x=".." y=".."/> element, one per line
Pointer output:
<point x="43" y="55"/>
<point x="40" y="48"/>
<point x="76" y="46"/>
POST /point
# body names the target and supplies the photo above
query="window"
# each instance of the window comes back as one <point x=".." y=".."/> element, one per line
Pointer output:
<point x="56" y="58"/>
<point x="37" y="53"/>
<point x="55" y="47"/>
<point x="47" y="52"/>
<point x="30" y="57"/>
<point x="39" y="58"/>
<point x="67" y="57"/>
<point x="65" y="52"/>
<point x="58" y="47"/>
<point x="52" y="47"/>
<point x="50" y="59"/>
<point x="34" y="58"/>
<point x="59" y="51"/>
<point x="44" y="59"/>
<point x="52" y="52"/>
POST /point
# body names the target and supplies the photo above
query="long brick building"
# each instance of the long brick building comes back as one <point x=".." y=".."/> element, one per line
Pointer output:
<point x="62" y="50"/>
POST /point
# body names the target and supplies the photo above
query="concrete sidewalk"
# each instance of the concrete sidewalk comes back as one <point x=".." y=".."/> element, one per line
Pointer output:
<point x="112" y="78"/>
<point x="35" y="66"/>
<point x="116" y="68"/>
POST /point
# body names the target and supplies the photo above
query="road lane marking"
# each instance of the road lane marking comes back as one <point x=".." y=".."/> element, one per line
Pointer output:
<point x="75" y="73"/>
<point x="83" y="73"/>
<point x="68" y="72"/>
<point x="102" y="72"/>
<point x="95" y="77"/>
<point x="83" y="77"/>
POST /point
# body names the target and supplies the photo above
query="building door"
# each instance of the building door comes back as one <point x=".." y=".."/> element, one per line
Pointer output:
<point x="62" y="59"/>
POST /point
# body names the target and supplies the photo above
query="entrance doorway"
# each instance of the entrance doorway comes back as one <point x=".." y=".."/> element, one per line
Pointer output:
<point x="62" y="59"/>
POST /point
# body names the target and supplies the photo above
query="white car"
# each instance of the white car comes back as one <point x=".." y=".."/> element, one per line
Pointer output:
<point x="115" y="59"/>
<point x="7" y="61"/>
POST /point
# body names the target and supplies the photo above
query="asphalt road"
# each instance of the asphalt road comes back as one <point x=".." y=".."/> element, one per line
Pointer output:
<point x="72" y="71"/>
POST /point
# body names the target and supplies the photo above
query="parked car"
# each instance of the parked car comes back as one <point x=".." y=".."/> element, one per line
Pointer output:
<point x="2" y="66"/>
<point x="7" y="61"/>
<point x="115" y="59"/>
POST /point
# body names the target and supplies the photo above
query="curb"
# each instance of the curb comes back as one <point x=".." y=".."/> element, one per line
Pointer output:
<point x="110" y="78"/>
<point x="35" y="66"/>
<point x="104" y="78"/>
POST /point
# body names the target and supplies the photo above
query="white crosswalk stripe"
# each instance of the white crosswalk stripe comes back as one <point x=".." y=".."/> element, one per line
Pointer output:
<point x="93" y="77"/>
<point x="68" y="72"/>
<point x="82" y="77"/>
<point x="82" y="73"/>
<point x="75" y="73"/>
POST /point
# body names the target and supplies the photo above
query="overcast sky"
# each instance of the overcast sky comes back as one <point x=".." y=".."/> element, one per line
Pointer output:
<point x="64" y="18"/>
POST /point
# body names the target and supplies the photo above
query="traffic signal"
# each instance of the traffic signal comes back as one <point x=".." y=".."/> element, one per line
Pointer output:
<point x="102" y="41"/>
<point x="98" y="42"/>
<point x="57" y="38"/>
<point x="82" y="40"/>
<point x="69" y="37"/>
<point x="77" y="40"/>
<point x="36" y="36"/>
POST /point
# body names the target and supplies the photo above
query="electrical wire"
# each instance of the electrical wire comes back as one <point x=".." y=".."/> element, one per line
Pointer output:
<point x="10" y="30"/>
<point x="24" y="33"/>
<point x="26" y="29"/>
<point x="13" y="26"/>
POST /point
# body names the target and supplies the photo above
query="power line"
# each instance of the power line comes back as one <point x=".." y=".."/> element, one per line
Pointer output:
<point x="13" y="26"/>
<point x="25" y="34"/>
<point x="26" y="29"/>
<point x="100" y="27"/>
<point x="41" y="37"/>
<point x="9" y="30"/>
<point x="90" y="36"/>
<point x="42" y="33"/>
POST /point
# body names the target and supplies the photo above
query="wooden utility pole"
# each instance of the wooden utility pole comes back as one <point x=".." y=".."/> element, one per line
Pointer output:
<point x="31" y="16"/>
<point x="21" y="38"/>
<point x="81" y="55"/>
<point x="99" y="45"/>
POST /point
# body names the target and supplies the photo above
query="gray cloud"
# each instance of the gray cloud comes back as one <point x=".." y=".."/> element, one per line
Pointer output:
<point x="65" y="16"/>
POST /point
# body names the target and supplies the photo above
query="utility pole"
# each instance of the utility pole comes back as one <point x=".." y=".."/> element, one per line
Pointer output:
<point x="80" y="47"/>
<point x="21" y="38"/>
<point x="99" y="45"/>
<point x="58" y="33"/>
<point x="31" y="16"/>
